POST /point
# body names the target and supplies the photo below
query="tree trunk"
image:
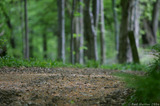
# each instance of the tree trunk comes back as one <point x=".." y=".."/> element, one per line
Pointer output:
<point x="22" y="26"/>
<point x="90" y="33"/>
<point x="116" y="26"/>
<point x="150" y="27"/>
<point x="127" y="24"/>
<point x="81" y="32"/>
<point x="102" y="33"/>
<point x="61" y="30"/>
<point x="155" y="19"/>
<point x="148" y="37"/>
<point x="10" y="26"/>
<point x="132" y="40"/>
<point x="26" y="31"/>
<point x="95" y="11"/>
<point x="72" y="52"/>
<point x="44" y="46"/>
<point x="78" y="34"/>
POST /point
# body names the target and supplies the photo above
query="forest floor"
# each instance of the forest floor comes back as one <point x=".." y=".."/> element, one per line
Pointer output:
<point x="60" y="86"/>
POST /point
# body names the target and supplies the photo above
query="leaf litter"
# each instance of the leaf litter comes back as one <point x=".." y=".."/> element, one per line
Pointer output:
<point x="60" y="87"/>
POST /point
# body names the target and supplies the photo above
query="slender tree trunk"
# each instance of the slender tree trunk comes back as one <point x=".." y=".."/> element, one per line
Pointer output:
<point x="31" y="47"/>
<point x="3" y="48"/>
<point x="22" y="26"/>
<point x="81" y="51"/>
<point x="72" y="32"/>
<point x="150" y="27"/>
<point x="102" y="33"/>
<point x="155" y="18"/>
<point x="10" y="26"/>
<point x="61" y="30"/>
<point x="78" y="31"/>
<point x="44" y="46"/>
<point x="26" y="31"/>
<point x="132" y="40"/>
<point x="96" y="10"/>
<point x="116" y="25"/>
<point x="90" y="33"/>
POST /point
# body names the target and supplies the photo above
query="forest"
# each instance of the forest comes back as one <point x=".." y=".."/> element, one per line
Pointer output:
<point x="79" y="52"/>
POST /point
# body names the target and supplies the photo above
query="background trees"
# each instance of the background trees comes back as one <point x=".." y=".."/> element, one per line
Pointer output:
<point x="94" y="29"/>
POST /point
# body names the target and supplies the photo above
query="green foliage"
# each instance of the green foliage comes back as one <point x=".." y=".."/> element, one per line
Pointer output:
<point x="147" y="88"/>
<point x="134" y="67"/>
<point x="92" y="64"/>
<point x="3" y="42"/>
<point x="14" y="62"/>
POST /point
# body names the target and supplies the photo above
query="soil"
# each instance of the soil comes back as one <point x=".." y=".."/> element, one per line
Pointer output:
<point x="61" y="87"/>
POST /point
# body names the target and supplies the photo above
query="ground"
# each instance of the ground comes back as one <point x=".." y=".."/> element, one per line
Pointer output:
<point x="60" y="87"/>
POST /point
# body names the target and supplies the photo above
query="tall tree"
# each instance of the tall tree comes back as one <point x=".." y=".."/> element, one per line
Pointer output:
<point x="116" y="25"/>
<point x="44" y="46"/>
<point x="95" y="11"/>
<point x="155" y="18"/>
<point x="127" y="25"/>
<point x="61" y="30"/>
<point x="81" y="32"/>
<point x="26" y="55"/>
<point x="150" y="27"/>
<point x="10" y="26"/>
<point x="72" y="52"/>
<point x="78" y="32"/>
<point x="102" y="33"/>
<point x="90" y="32"/>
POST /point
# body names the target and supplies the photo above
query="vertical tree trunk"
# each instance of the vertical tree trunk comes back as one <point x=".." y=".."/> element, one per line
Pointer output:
<point x="26" y="31"/>
<point x="132" y="40"/>
<point x="102" y="33"/>
<point x="22" y="26"/>
<point x="150" y="27"/>
<point x="44" y="46"/>
<point x="81" y="42"/>
<point x="61" y="30"/>
<point x="10" y="26"/>
<point x="116" y="26"/>
<point x="155" y="18"/>
<point x="72" y="32"/>
<point x="127" y="24"/>
<point x="78" y="31"/>
<point x="31" y="47"/>
<point x="96" y="10"/>
<point x="90" y="33"/>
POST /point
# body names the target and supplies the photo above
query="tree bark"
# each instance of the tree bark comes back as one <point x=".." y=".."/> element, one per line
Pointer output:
<point x="155" y="18"/>
<point x="116" y="26"/>
<point x="95" y="11"/>
<point x="26" y="31"/>
<point x="102" y="33"/>
<point x="132" y="40"/>
<point x="81" y="31"/>
<point x="61" y="30"/>
<point x="90" y="33"/>
<point x="10" y="26"/>
<point x="150" y="27"/>
<point x="72" y="52"/>
<point x="127" y="24"/>
<point x="44" y="46"/>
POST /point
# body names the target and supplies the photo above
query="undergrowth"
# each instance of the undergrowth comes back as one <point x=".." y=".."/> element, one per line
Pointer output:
<point x="8" y="61"/>
<point x="147" y="87"/>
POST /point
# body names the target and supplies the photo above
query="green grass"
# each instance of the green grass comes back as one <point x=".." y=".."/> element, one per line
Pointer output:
<point x="14" y="62"/>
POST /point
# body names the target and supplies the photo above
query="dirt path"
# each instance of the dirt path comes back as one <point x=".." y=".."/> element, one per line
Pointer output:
<point x="60" y="86"/>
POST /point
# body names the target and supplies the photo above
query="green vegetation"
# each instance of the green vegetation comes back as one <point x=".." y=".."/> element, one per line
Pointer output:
<point x="146" y="87"/>
<point x="14" y="62"/>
